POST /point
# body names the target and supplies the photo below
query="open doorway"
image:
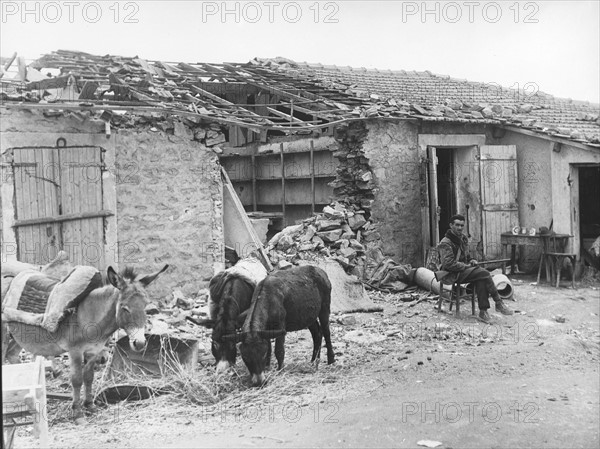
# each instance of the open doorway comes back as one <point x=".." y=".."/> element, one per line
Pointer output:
<point x="453" y="189"/>
<point x="589" y="212"/>
<point x="446" y="187"/>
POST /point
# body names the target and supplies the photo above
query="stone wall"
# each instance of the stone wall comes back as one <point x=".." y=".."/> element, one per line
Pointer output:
<point x="169" y="197"/>
<point x="379" y="173"/>
<point x="391" y="148"/>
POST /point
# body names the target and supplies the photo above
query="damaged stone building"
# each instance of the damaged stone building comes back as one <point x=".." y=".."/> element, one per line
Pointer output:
<point x="118" y="160"/>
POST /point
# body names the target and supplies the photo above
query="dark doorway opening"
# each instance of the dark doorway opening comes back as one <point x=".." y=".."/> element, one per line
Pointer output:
<point x="446" y="187"/>
<point x="589" y="212"/>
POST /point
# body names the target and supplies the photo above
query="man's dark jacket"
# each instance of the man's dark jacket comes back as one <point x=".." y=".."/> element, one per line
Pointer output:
<point x="451" y="266"/>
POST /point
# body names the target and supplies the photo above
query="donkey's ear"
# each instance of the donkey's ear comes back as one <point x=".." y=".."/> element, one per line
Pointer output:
<point x="114" y="278"/>
<point x="149" y="278"/>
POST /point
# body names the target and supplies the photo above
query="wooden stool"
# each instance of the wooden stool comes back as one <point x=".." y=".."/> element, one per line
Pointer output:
<point x="457" y="292"/>
<point x="553" y="259"/>
<point x="554" y="263"/>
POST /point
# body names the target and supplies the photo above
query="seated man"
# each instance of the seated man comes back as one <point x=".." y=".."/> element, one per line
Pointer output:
<point x="454" y="254"/>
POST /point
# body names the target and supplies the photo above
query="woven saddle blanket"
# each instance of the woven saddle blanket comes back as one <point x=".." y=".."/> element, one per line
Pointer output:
<point x="34" y="298"/>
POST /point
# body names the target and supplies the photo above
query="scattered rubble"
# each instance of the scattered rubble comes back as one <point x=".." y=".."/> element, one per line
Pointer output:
<point x="168" y="317"/>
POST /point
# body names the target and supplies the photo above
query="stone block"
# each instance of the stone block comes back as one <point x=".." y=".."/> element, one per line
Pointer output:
<point x="348" y="253"/>
<point x="327" y="225"/>
<point x="330" y="236"/>
<point x="356" y="222"/>
<point x="308" y="234"/>
<point x="332" y="213"/>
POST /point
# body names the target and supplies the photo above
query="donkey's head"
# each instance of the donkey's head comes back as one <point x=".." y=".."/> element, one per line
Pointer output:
<point x="255" y="350"/>
<point x="131" y="305"/>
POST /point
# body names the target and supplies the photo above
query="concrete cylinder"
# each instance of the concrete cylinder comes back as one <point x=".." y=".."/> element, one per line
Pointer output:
<point x="425" y="278"/>
<point x="504" y="286"/>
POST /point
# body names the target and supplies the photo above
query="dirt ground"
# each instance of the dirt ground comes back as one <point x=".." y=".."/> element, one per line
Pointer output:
<point x="406" y="377"/>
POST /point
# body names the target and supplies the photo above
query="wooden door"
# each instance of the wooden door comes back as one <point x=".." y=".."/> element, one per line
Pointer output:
<point x="58" y="204"/>
<point x="434" y="208"/>
<point x="498" y="184"/>
<point x="37" y="195"/>
<point x="81" y="196"/>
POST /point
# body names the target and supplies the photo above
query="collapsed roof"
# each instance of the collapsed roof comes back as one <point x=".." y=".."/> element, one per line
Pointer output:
<point x="441" y="98"/>
<point x="286" y="96"/>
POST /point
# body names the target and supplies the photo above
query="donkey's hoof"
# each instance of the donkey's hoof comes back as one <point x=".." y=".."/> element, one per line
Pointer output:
<point x="79" y="421"/>
<point x="89" y="409"/>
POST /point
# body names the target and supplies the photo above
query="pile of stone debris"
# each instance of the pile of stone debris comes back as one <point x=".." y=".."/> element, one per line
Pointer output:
<point x="168" y="317"/>
<point x="341" y="232"/>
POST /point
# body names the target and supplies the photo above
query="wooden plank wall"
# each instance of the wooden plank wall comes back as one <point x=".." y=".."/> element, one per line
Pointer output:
<point x="263" y="183"/>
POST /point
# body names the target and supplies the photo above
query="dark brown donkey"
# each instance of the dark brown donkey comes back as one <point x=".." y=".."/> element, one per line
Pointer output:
<point x="285" y="301"/>
<point x="84" y="333"/>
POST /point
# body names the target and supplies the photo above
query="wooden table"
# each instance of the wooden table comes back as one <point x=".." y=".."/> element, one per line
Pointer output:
<point x="541" y="241"/>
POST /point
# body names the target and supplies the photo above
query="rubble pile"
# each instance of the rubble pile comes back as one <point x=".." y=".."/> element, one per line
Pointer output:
<point x="168" y="317"/>
<point x="342" y="232"/>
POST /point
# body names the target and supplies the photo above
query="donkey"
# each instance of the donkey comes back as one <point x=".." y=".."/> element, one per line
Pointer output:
<point x="285" y="301"/>
<point x="84" y="333"/>
<point x="230" y="296"/>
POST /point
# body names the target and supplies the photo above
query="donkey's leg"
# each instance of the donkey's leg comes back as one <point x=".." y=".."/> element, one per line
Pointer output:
<point x="76" y="358"/>
<point x="268" y="362"/>
<point x="324" y="319"/>
<point x="317" y="337"/>
<point x="88" y="379"/>
<point x="280" y="350"/>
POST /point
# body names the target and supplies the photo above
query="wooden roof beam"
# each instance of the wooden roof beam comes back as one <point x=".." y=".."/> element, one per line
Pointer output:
<point x="228" y="103"/>
<point x="288" y="117"/>
<point x="213" y="97"/>
<point x="271" y="89"/>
